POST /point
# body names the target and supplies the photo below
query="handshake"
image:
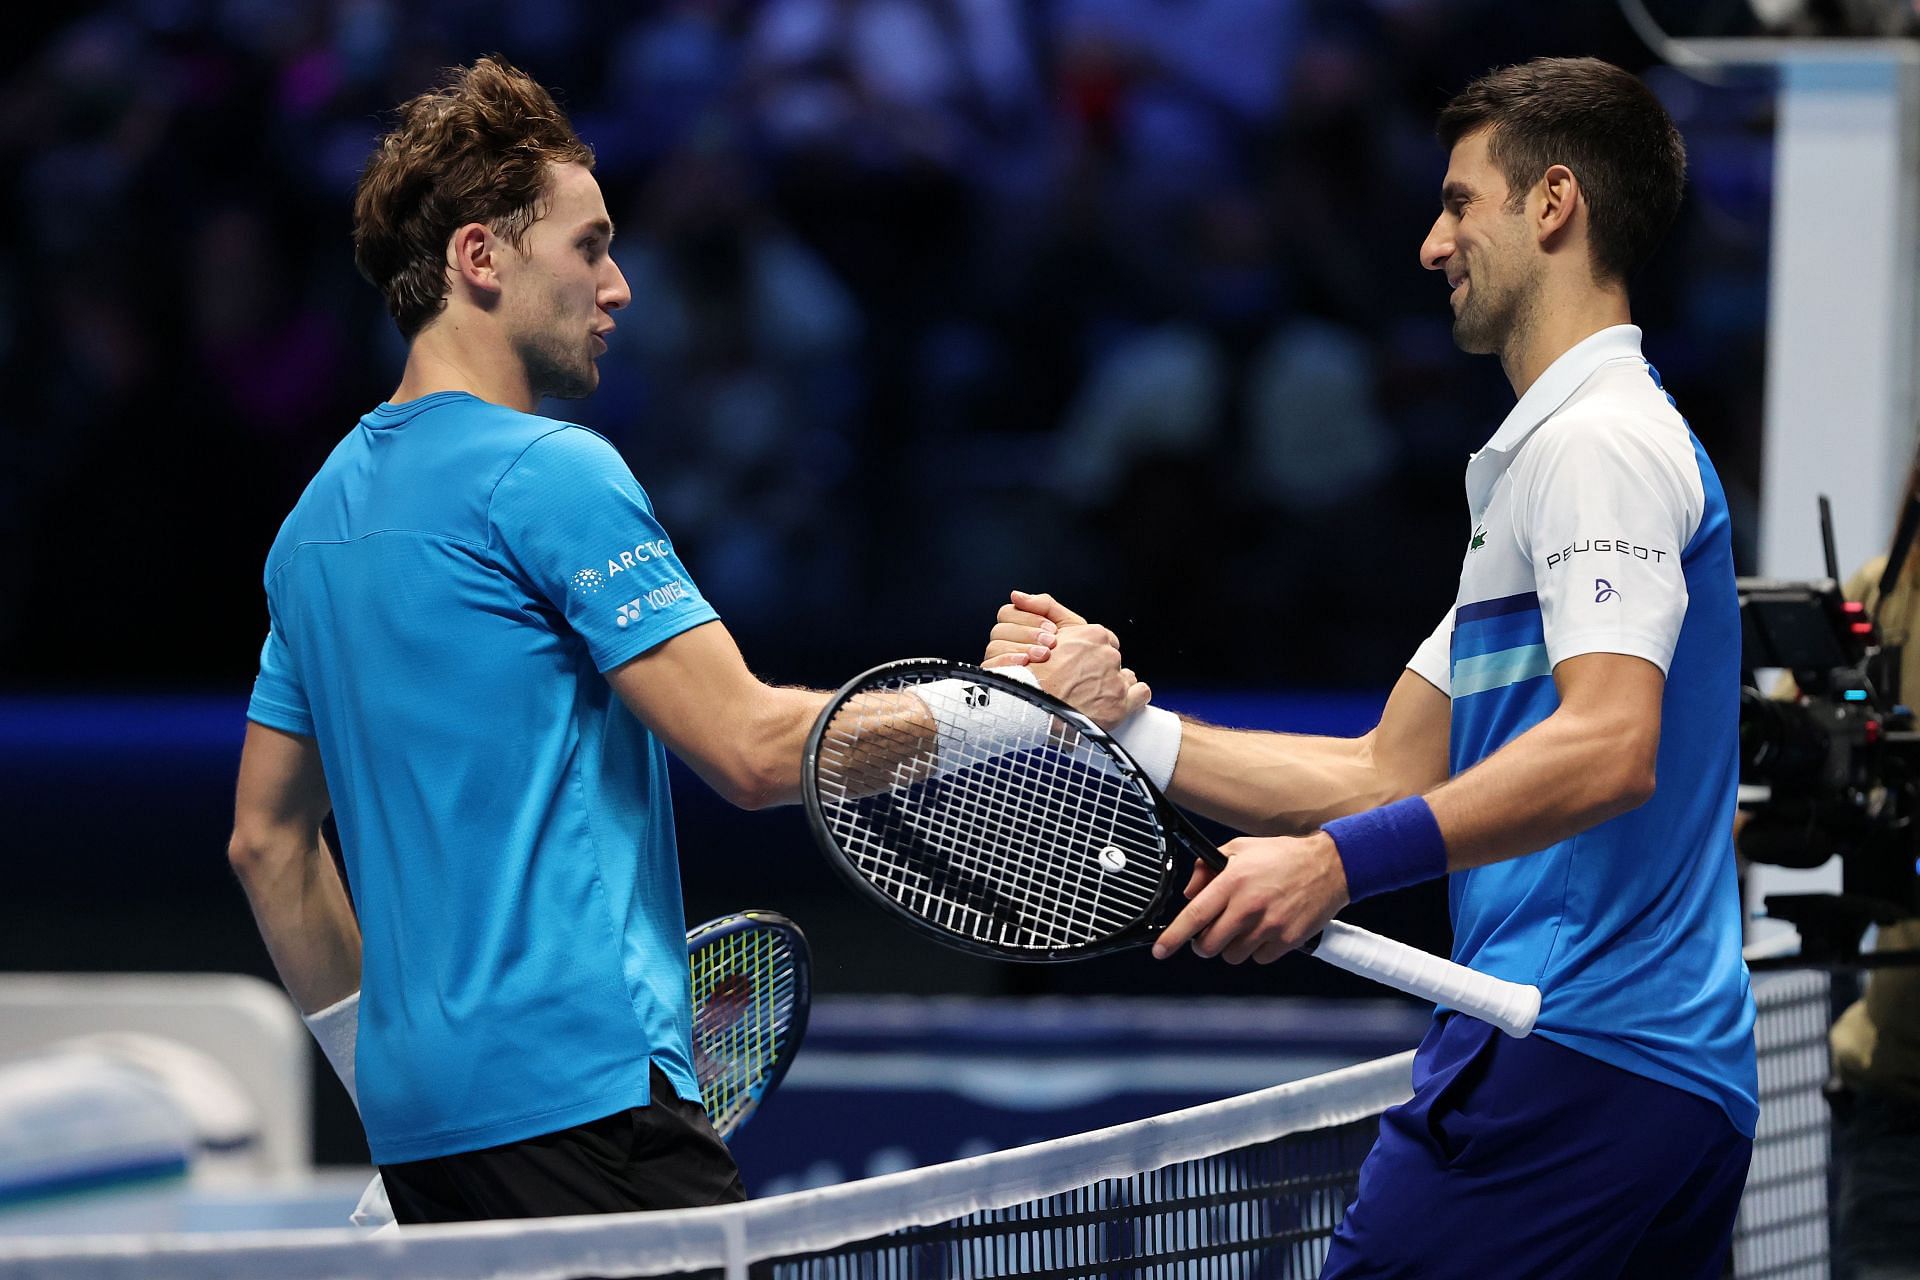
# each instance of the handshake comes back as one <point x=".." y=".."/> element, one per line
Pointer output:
<point x="1074" y="660"/>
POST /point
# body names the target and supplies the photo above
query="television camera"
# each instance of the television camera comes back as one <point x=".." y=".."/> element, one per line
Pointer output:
<point x="1834" y="770"/>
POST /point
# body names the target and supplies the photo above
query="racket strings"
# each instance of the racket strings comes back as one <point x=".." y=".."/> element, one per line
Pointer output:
<point x="984" y="843"/>
<point x="744" y="997"/>
<point x="999" y="842"/>
<point x="955" y="865"/>
<point x="1029" y="837"/>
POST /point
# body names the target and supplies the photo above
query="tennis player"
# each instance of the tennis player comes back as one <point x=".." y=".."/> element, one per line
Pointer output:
<point x="1562" y="747"/>
<point x="480" y="639"/>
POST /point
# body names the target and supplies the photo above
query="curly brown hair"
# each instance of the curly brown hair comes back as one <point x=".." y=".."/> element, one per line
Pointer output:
<point x="473" y="149"/>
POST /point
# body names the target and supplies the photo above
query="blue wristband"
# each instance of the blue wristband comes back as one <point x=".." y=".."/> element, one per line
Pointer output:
<point x="1389" y="848"/>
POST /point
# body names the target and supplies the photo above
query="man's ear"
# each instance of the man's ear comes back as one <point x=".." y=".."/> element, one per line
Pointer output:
<point x="473" y="261"/>
<point x="1559" y="196"/>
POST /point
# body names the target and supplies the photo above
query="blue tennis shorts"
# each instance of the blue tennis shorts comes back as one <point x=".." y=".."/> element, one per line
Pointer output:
<point x="1525" y="1158"/>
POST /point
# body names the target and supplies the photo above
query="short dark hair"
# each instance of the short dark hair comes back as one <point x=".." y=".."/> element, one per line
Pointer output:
<point x="1601" y="123"/>
<point x="474" y="149"/>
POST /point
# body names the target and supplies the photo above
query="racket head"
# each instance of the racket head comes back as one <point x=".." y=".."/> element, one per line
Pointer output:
<point x="1045" y="847"/>
<point x="752" y="981"/>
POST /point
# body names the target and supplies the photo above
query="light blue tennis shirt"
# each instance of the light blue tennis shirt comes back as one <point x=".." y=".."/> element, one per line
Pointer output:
<point x="443" y="600"/>
<point x="1599" y="526"/>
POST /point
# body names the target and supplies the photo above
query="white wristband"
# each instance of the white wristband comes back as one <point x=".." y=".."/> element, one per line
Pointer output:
<point x="965" y="736"/>
<point x="1152" y="737"/>
<point x="337" y="1028"/>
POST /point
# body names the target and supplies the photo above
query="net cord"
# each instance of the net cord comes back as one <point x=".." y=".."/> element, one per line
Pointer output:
<point x="729" y="1237"/>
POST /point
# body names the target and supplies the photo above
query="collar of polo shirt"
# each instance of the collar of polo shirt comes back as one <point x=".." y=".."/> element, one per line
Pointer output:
<point x="1562" y="378"/>
<point x="1548" y="394"/>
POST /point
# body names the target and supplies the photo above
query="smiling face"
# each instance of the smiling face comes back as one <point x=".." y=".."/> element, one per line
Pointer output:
<point x="1481" y="241"/>
<point x="560" y="289"/>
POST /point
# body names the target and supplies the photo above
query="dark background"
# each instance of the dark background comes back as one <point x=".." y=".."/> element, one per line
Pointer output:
<point x="932" y="298"/>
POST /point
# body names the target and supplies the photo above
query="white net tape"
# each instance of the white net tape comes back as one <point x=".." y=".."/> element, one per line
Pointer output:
<point x="729" y="1238"/>
<point x="1251" y="1185"/>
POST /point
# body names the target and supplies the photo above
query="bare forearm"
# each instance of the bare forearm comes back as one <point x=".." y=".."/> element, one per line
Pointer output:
<point x="1552" y="782"/>
<point x="873" y="738"/>
<point x="304" y="917"/>
<point x="1277" y="784"/>
<point x="766" y="770"/>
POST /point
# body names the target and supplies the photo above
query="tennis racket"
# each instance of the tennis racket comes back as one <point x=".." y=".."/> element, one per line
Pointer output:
<point x="751" y="989"/>
<point x="998" y="820"/>
<point x="752" y="980"/>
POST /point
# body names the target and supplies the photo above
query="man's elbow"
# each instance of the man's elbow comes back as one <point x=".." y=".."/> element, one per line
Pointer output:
<point x="761" y="766"/>
<point x="250" y="857"/>
<point x="749" y="793"/>
<point x="758" y="781"/>
<point x="1637" y="787"/>
<point x="1629" y="783"/>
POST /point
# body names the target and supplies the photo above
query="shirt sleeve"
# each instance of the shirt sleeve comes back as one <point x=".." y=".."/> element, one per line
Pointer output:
<point x="279" y="699"/>
<point x="572" y="519"/>
<point x="1605" y="509"/>
<point x="1433" y="660"/>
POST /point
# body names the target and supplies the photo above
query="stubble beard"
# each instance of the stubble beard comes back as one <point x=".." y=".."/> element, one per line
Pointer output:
<point x="556" y="369"/>
<point x="1493" y="320"/>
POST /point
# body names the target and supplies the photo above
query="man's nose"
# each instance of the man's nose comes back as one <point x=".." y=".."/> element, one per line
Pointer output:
<point x="1438" y="246"/>
<point x="616" y="294"/>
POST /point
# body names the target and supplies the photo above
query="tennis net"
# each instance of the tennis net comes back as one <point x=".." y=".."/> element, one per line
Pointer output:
<point x="1782" y="1232"/>
<point x="1250" y="1187"/>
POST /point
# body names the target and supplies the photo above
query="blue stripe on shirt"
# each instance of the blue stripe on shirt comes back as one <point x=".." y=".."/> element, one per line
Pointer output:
<point x="1493" y="608"/>
<point x="1488" y="671"/>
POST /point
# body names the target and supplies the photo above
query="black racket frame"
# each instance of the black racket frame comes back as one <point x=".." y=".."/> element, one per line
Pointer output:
<point x="1176" y="830"/>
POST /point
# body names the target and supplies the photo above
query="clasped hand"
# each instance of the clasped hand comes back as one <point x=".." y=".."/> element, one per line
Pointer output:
<point x="1275" y="892"/>
<point x="1076" y="661"/>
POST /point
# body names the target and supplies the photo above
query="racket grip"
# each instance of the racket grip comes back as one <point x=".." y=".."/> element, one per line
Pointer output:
<point x="1510" y="1006"/>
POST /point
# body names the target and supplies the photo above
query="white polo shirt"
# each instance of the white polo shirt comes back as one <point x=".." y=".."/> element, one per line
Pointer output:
<point x="1599" y="526"/>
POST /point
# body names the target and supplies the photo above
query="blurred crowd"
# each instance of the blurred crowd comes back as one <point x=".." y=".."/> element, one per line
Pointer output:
<point x="1116" y="298"/>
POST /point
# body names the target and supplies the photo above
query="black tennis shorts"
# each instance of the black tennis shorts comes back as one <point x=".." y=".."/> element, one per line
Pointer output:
<point x="664" y="1155"/>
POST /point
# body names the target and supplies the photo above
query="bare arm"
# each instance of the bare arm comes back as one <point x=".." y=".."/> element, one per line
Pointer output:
<point x="287" y="872"/>
<point x="1264" y="783"/>
<point x="1287" y="784"/>
<point x="744" y="738"/>
<point x="1589" y="761"/>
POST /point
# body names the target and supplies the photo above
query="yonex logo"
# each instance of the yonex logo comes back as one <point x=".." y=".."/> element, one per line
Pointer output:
<point x="977" y="697"/>
<point x="1603" y="591"/>
<point x="588" y="581"/>
<point x="660" y="597"/>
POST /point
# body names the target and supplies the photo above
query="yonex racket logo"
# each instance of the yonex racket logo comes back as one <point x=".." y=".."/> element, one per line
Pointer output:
<point x="977" y="697"/>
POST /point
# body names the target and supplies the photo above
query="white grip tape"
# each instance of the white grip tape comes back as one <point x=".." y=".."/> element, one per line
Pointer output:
<point x="1510" y="1006"/>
